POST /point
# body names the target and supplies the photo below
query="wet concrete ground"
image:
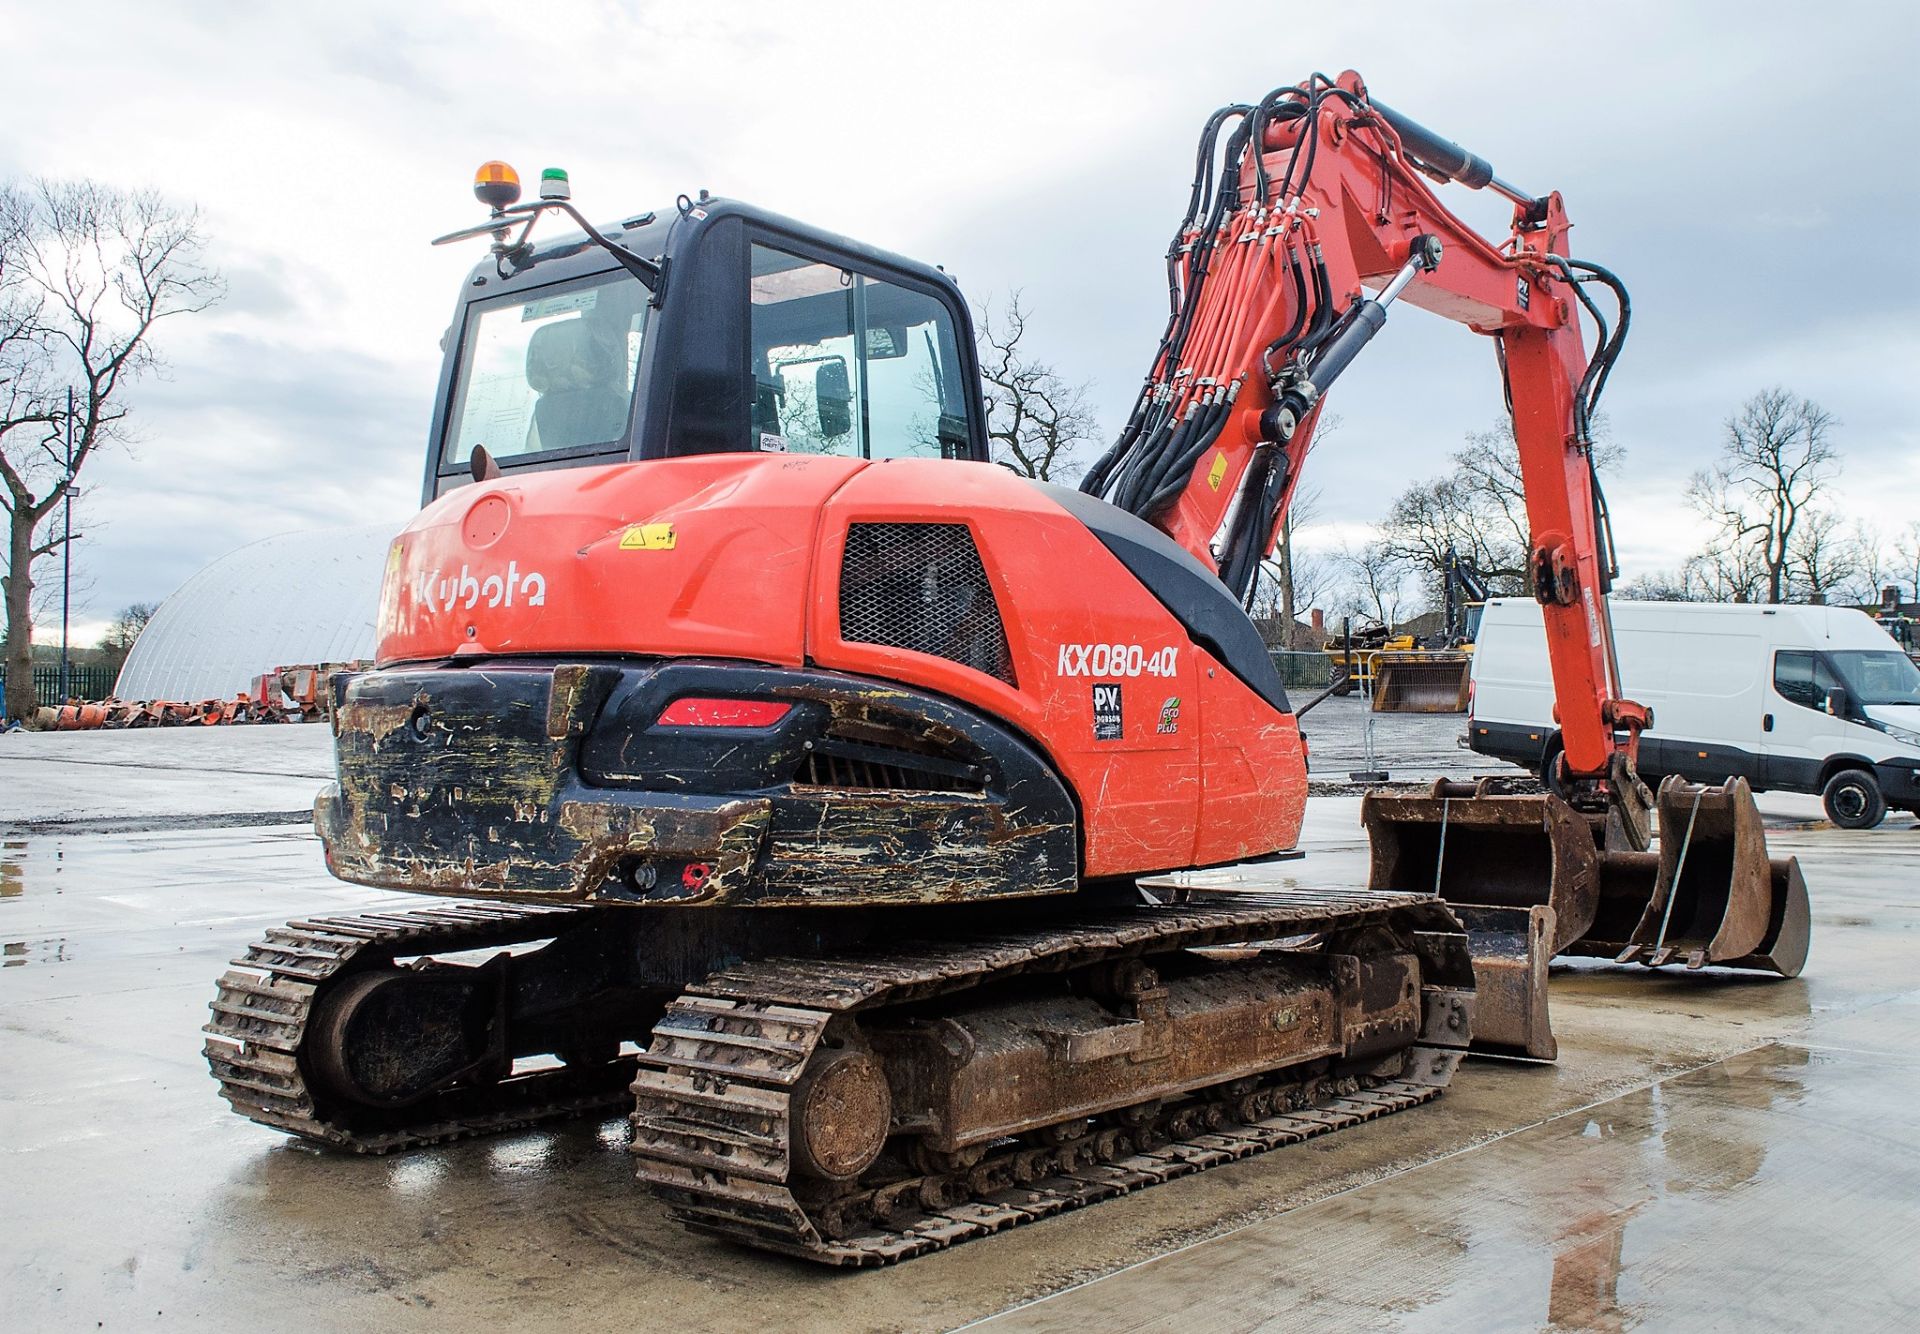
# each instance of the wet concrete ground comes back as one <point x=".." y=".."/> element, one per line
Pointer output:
<point x="1714" y="1151"/>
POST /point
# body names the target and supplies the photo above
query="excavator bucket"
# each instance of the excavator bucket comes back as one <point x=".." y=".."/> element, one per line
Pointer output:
<point x="1522" y="873"/>
<point x="1528" y="880"/>
<point x="1420" y="682"/>
<point x="1709" y="895"/>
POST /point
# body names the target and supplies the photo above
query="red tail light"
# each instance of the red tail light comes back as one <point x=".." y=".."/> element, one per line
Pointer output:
<point x="695" y="711"/>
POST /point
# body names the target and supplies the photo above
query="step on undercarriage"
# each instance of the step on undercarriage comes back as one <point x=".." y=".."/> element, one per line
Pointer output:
<point x="869" y="1104"/>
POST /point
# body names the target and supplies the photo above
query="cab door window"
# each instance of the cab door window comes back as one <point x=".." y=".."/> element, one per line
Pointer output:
<point x="1803" y="679"/>
<point x="848" y="364"/>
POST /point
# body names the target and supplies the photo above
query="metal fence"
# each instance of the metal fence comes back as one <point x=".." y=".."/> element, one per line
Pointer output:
<point x="83" y="682"/>
<point x="1303" y="669"/>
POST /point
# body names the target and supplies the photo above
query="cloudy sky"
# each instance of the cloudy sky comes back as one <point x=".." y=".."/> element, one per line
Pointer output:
<point x="1748" y="168"/>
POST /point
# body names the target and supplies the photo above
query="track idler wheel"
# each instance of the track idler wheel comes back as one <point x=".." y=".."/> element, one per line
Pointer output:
<point x="391" y="1037"/>
<point x="841" y="1112"/>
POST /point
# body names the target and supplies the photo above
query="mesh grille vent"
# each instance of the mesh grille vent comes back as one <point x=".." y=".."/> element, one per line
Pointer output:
<point x="920" y="586"/>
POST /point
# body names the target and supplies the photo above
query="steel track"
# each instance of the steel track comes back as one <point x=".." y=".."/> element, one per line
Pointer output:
<point x="712" y="1118"/>
<point x="260" y="1019"/>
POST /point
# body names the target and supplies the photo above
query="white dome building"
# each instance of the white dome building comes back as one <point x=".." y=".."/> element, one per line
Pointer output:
<point x="280" y="602"/>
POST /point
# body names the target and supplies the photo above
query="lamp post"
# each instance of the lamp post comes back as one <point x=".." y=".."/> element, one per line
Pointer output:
<point x="66" y="560"/>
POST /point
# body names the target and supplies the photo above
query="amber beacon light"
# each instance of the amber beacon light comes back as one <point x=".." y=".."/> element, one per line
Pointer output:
<point x="496" y="185"/>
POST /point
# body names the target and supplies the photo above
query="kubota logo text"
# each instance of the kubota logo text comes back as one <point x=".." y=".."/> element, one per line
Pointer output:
<point x="466" y="590"/>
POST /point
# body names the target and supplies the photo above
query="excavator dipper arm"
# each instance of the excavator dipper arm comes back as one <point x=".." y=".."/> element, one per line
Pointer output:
<point x="1317" y="194"/>
<point x="1303" y="204"/>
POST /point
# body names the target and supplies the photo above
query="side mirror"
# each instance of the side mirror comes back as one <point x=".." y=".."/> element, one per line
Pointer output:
<point x="1838" y="704"/>
<point x="833" y="398"/>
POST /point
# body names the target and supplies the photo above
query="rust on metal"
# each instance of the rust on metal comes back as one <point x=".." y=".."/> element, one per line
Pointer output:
<point x="1511" y="948"/>
<point x="1522" y="872"/>
<point x="1712" y="897"/>
<point x="1783" y="950"/>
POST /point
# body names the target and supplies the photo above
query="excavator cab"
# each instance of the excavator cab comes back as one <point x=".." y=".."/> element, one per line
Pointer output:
<point x="744" y="331"/>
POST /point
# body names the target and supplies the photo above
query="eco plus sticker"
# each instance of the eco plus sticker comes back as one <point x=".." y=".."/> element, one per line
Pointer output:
<point x="1169" y="716"/>
<point x="1106" y="712"/>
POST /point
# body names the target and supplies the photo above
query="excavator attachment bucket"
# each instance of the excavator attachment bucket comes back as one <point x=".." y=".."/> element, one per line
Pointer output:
<point x="1522" y="873"/>
<point x="1709" y="895"/>
<point x="1420" y="682"/>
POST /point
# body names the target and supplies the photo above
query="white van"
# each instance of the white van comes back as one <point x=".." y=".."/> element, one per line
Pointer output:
<point x="1796" y="699"/>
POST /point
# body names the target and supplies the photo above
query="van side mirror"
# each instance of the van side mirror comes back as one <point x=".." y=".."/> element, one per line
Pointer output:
<point x="833" y="398"/>
<point x="1838" y="704"/>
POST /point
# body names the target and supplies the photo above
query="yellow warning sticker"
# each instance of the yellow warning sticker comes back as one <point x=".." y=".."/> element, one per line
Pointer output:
<point x="648" y="537"/>
<point x="1218" y="472"/>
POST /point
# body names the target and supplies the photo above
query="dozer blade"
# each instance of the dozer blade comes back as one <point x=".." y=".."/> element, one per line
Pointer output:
<point x="1712" y="896"/>
<point x="1521" y="872"/>
<point x="1420" y="682"/>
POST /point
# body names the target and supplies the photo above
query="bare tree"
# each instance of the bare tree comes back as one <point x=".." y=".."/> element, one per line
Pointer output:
<point x="1376" y="581"/>
<point x="1478" y="509"/>
<point x="1314" y="578"/>
<point x="1278" y="583"/>
<point x="1777" y="455"/>
<point x="117" y="641"/>
<point x="1906" y="550"/>
<point x="86" y="272"/>
<point x="1822" y="560"/>
<point x="1875" y="565"/>
<point x="1682" y="585"/>
<point x="1035" y="419"/>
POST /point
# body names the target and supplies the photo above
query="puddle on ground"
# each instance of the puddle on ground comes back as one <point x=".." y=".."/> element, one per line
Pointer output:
<point x="1615" y="1208"/>
<point x="13" y="875"/>
<point x="17" y="953"/>
<point x="13" y="867"/>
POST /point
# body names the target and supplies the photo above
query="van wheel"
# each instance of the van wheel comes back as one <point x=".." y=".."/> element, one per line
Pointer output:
<point x="1853" y="801"/>
<point x="1550" y="772"/>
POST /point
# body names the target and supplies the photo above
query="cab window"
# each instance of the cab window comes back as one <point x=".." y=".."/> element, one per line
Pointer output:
<point x="848" y="364"/>
<point x="1803" y="679"/>
<point x="550" y="371"/>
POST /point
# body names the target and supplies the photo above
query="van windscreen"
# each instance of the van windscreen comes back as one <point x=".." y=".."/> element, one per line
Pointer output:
<point x="1877" y="676"/>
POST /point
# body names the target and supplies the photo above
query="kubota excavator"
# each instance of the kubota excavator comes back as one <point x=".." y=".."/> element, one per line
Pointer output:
<point x="824" y="787"/>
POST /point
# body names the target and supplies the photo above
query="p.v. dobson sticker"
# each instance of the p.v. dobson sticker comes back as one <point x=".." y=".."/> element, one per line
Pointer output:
<point x="1106" y="712"/>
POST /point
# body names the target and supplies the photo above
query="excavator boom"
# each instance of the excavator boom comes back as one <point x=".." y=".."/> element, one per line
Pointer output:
<point x="1316" y="195"/>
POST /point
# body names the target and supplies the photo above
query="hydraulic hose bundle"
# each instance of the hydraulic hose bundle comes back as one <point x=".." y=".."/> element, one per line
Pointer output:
<point x="1256" y="329"/>
<point x="1244" y="261"/>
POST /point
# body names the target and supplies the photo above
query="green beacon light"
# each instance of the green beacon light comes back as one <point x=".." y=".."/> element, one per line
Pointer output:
<point x="553" y="184"/>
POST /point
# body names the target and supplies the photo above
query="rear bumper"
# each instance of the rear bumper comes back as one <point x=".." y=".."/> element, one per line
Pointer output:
<point x="543" y="781"/>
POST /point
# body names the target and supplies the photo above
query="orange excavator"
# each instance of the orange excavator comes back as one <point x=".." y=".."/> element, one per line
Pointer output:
<point x="832" y="796"/>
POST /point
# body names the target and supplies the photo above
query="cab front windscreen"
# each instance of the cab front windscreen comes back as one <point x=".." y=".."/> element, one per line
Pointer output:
<point x="548" y="371"/>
